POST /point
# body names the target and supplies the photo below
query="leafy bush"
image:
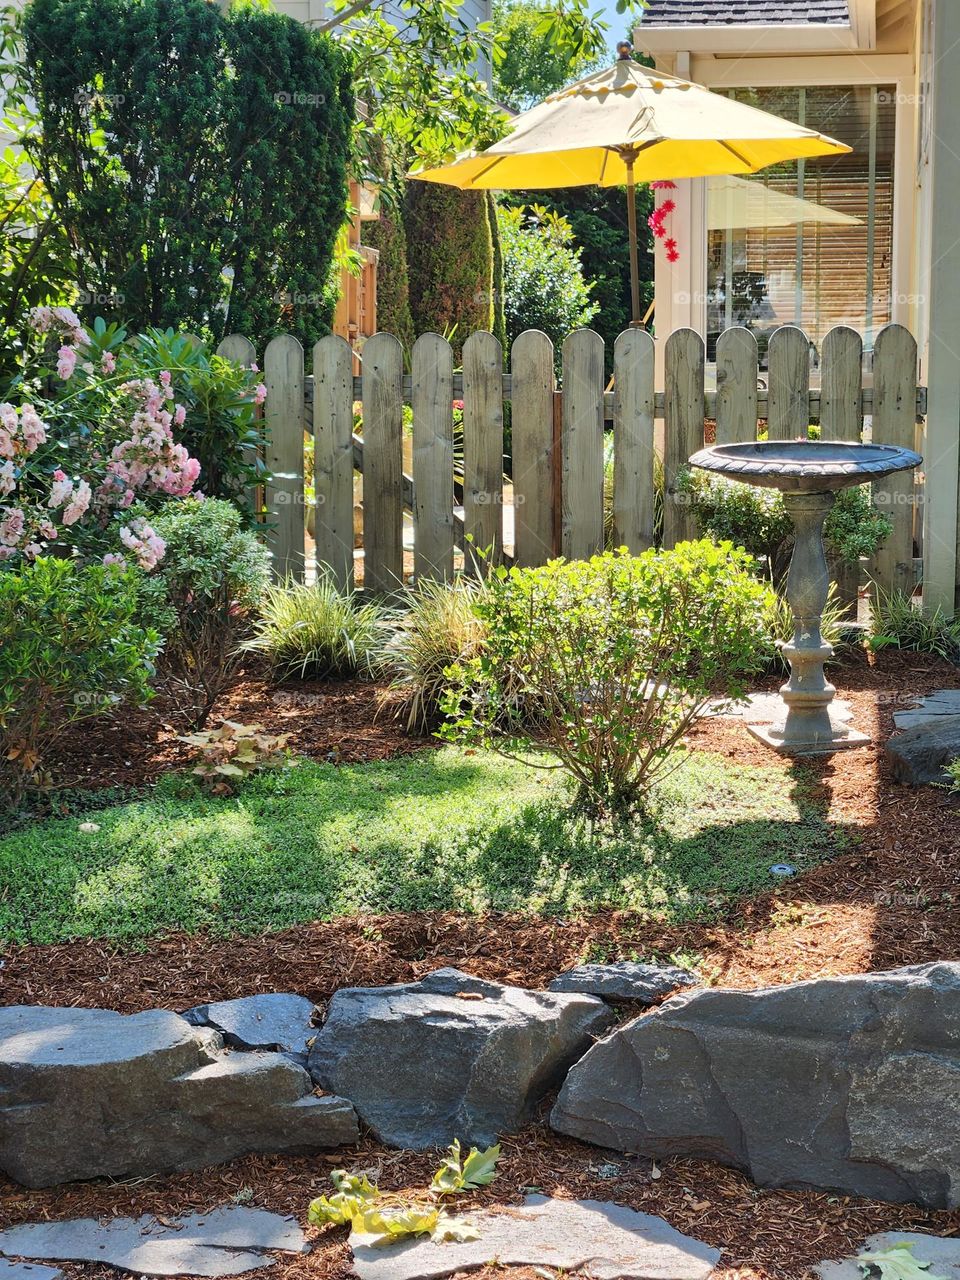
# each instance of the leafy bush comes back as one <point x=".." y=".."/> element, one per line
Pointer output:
<point x="449" y="259"/>
<point x="897" y="623"/>
<point x="201" y="598"/>
<point x="953" y="769"/>
<point x="233" y="751"/>
<point x="129" y="94"/>
<point x="757" y="520"/>
<point x="543" y="283"/>
<point x="619" y="652"/>
<point x="314" y="632"/>
<point x="439" y="628"/>
<point x="70" y="648"/>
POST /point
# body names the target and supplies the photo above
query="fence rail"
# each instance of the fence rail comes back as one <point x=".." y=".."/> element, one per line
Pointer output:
<point x="553" y="501"/>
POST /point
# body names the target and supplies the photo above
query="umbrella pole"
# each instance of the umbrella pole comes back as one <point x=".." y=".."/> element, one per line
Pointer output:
<point x="636" y="322"/>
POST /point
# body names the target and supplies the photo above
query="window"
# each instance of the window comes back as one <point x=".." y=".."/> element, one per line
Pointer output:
<point x="810" y="242"/>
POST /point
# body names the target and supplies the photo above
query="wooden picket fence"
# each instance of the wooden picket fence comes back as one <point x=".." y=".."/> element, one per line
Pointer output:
<point x="555" y="491"/>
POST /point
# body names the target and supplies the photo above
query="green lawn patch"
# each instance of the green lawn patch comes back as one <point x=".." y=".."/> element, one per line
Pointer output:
<point x="440" y="829"/>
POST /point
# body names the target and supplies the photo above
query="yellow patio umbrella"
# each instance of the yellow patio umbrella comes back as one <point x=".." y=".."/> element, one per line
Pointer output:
<point x="630" y="124"/>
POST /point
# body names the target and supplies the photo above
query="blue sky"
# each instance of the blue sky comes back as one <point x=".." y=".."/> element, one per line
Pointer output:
<point x="618" y="22"/>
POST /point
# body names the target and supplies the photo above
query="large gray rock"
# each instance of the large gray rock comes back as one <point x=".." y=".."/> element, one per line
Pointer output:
<point x="583" y="1237"/>
<point x="225" y="1242"/>
<point x="945" y="702"/>
<point x="918" y="756"/>
<point x="848" y="1083"/>
<point x="625" y="980"/>
<point x="940" y="1253"/>
<point x="28" y="1271"/>
<point x="271" y="1021"/>
<point x="451" y="1056"/>
<point x="86" y="1093"/>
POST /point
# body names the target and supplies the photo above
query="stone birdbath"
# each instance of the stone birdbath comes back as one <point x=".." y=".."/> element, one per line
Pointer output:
<point x="808" y="473"/>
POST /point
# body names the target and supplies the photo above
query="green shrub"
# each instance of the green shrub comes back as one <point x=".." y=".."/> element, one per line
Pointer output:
<point x="543" y="283"/>
<point x="449" y="259"/>
<point x="757" y="519"/>
<point x="439" y="628"/>
<point x="619" y="653"/>
<point x="314" y="632"/>
<point x="953" y="769"/>
<point x="70" y="648"/>
<point x="201" y="597"/>
<point x="897" y="623"/>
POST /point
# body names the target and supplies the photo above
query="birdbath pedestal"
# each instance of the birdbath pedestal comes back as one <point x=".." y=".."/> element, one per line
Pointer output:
<point x="808" y="473"/>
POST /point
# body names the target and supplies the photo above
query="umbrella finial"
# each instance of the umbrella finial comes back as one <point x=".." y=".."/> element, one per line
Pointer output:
<point x="624" y="50"/>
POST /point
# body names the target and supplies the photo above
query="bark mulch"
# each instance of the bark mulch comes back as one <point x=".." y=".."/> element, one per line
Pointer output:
<point x="891" y="899"/>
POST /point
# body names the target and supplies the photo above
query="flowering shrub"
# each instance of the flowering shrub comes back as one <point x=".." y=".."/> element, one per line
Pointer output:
<point x="86" y="439"/>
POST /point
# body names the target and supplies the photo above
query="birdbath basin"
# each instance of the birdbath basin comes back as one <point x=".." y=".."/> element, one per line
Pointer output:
<point x="808" y="473"/>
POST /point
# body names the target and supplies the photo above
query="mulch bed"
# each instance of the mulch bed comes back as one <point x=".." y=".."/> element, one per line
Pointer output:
<point x="891" y="900"/>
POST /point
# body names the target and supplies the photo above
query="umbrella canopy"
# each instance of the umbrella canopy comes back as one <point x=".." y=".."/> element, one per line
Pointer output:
<point x="587" y="134"/>
<point x="734" y="203"/>
<point x="629" y="124"/>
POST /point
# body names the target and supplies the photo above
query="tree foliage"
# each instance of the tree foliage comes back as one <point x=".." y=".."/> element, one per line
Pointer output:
<point x="531" y="61"/>
<point x="196" y="157"/>
<point x="543" y="280"/>
<point x="450" y="259"/>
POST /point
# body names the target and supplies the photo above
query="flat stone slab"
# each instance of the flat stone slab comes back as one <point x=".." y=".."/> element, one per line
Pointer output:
<point x="945" y="702"/>
<point x="276" y="1021"/>
<point x="918" y="756"/>
<point x="226" y="1242"/>
<point x="586" y="1237"/>
<point x="88" y="1093"/>
<point x="28" y="1271"/>
<point x="850" y="1083"/>
<point x="625" y="980"/>
<point x="451" y="1056"/>
<point x="941" y="1252"/>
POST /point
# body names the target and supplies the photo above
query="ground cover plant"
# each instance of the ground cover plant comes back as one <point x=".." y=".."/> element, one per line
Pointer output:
<point x="432" y="831"/>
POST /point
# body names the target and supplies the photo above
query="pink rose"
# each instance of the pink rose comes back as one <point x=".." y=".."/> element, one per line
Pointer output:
<point x="66" y="362"/>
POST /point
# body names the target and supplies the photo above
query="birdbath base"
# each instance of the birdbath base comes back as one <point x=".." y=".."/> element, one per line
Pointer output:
<point x="839" y="737"/>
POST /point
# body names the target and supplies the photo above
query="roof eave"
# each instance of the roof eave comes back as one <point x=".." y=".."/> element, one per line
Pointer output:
<point x="747" y="39"/>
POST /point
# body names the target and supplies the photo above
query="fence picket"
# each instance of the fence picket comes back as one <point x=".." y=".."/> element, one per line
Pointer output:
<point x="683" y="428"/>
<point x="483" y="449"/>
<point x="633" y="460"/>
<point x="788" y="396"/>
<point x="432" y="399"/>
<point x="894" y="422"/>
<point x="283" y="375"/>
<point x="532" y="387"/>
<point x="241" y="351"/>
<point x="333" y="457"/>
<point x="840" y="419"/>
<point x="382" y="464"/>
<point x="582" y="448"/>
<point x="737" y="366"/>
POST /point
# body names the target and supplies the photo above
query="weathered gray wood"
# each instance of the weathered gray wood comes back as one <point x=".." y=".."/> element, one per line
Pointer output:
<point x="788" y="377"/>
<point x="840" y="385"/>
<point x="894" y="395"/>
<point x="532" y="388"/>
<point x="283" y="376"/>
<point x="633" y="372"/>
<point x="582" y="468"/>
<point x="239" y="349"/>
<point x="683" y="428"/>
<point x="382" y="464"/>
<point x="432" y="458"/>
<point x="736" y="404"/>
<point x="333" y="458"/>
<point x="483" y="450"/>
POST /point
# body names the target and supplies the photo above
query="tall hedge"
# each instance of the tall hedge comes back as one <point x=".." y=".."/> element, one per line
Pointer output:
<point x="450" y="259"/>
<point x="197" y="158"/>
<point x="393" y="282"/>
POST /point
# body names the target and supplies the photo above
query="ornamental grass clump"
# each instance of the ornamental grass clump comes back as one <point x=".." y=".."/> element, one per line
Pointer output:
<point x="440" y="628"/>
<point x="619" y="654"/>
<point x="315" y="632"/>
